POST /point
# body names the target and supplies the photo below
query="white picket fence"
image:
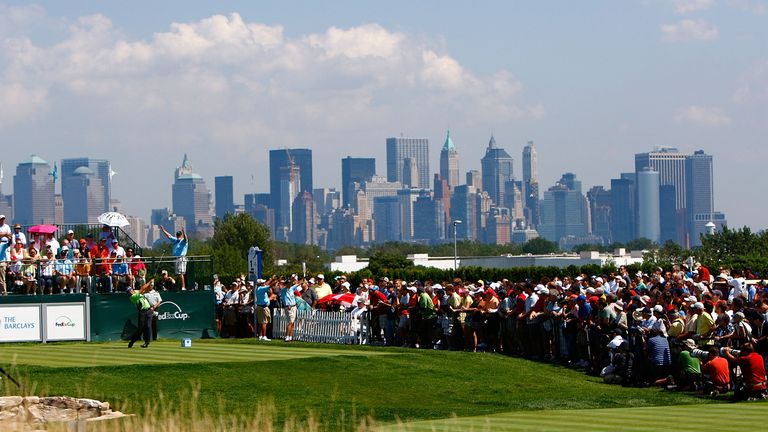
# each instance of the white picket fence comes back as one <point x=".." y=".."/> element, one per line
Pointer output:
<point x="323" y="326"/>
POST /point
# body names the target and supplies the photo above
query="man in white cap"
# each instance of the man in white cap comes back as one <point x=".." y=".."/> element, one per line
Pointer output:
<point x="322" y="289"/>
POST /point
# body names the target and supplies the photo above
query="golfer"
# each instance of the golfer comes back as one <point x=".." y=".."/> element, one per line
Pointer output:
<point x="144" y="314"/>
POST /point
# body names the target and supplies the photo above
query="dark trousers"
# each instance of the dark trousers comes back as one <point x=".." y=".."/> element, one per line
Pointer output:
<point x="144" y="329"/>
<point x="154" y="327"/>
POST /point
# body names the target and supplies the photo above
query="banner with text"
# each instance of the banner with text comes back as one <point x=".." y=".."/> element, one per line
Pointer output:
<point x="20" y="323"/>
<point x="65" y="322"/>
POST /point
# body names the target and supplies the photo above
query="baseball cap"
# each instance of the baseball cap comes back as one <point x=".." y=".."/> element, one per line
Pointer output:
<point x="70" y="232"/>
<point x="2" y="216"/>
<point x="320" y="276"/>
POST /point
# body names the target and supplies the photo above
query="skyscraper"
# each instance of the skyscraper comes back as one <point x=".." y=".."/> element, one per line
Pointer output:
<point x="600" y="212"/>
<point x="564" y="210"/>
<point x="99" y="180"/>
<point x="192" y="200"/>
<point x="83" y="195"/>
<point x="33" y="192"/>
<point x="282" y="158"/>
<point x="400" y="148"/>
<point x="290" y="184"/>
<point x="304" y="220"/>
<point x="531" y="183"/>
<point x="700" y="197"/>
<point x="387" y="218"/>
<point x="623" y="208"/>
<point x="464" y="207"/>
<point x="670" y="164"/>
<point x="648" y="213"/>
<point x="449" y="162"/>
<point x="355" y="170"/>
<point x="497" y="170"/>
<point x="225" y="196"/>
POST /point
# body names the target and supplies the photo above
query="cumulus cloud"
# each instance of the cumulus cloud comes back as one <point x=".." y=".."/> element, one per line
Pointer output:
<point x="688" y="6"/>
<point x="754" y="85"/>
<point x="701" y="115"/>
<point x="689" y="30"/>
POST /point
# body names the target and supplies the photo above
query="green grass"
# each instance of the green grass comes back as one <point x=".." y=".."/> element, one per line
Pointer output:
<point x="338" y="384"/>
<point x="747" y="416"/>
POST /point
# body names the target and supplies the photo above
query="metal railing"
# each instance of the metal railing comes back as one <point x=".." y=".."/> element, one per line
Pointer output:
<point x="337" y="327"/>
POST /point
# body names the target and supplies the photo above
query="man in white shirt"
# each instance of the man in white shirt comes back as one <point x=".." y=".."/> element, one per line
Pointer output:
<point x="738" y="286"/>
<point x="5" y="251"/>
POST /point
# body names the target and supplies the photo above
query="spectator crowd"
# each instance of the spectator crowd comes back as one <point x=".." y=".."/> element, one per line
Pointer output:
<point x="34" y="263"/>
<point x="684" y="329"/>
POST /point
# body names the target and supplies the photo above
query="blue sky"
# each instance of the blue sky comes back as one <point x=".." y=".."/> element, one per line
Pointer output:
<point x="591" y="83"/>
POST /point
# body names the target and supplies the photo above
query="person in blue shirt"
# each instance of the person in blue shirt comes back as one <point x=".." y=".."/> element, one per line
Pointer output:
<point x="263" y="314"/>
<point x="180" y="244"/>
<point x="288" y="298"/>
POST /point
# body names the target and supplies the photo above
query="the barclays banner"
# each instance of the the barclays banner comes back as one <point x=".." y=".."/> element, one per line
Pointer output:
<point x="20" y="323"/>
<point x="65" y="322"/>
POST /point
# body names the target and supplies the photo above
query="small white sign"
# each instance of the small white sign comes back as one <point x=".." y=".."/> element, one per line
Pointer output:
<point x="65" y="322"/>
<point x="20" y="324"/>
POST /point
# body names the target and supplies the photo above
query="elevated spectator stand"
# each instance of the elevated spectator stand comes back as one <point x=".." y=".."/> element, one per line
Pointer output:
<point x="335" y="327"/>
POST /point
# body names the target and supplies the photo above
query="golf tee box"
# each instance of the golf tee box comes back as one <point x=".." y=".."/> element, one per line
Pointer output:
<point x="186" y="343"/>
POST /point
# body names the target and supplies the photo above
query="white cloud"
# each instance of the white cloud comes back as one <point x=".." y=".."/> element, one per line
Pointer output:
<point x="689" y="30"/>
<point x="758" y="7"/>
<point x="688" y="6"/>
<point x="701" y="115"/>
<point x="754" y="85"/>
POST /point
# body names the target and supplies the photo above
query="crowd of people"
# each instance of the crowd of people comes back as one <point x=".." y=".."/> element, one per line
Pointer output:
<point x="682" y="329"/>
<point x="38" y="263"/>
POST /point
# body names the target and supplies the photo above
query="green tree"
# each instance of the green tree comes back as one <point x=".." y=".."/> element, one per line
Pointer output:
<point x="641" y="243"/>
<point x="233" y="236"/>
<point x="539" y="246"/>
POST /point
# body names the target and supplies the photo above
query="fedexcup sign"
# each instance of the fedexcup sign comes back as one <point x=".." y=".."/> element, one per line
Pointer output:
<point x="178" y="314"/>
<point x="64" y="321"/>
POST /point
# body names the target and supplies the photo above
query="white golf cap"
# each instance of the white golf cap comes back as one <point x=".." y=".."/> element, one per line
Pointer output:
<point x="320" y="276"/>
<point x="70" y="232"/>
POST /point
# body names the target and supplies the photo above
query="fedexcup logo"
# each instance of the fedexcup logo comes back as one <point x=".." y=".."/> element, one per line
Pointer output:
<point x="178" y="314"/>
<point x="64" y="321"/>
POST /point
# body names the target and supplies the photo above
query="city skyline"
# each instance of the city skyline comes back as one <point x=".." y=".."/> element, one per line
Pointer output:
<point x="602" y="82"/>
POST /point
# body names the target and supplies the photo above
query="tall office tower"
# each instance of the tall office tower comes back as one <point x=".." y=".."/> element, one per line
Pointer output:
<point x="304" y="220"/>
<point x="225" y="195"/>
<point x="6" y="201"/>
<point x="137" y="230"/>
<point x="497" y="169"/>
<point x="281" y="158"/>
<point x="443" y="194"/>
<point x="355" y="170"/>
<point x="700" y="194"/>
<point x="531" y="183"/>
<point x="570" y="181"/>
<point x="100" y="179"/>
<point x="464" y="208"/>
<point x="474" y="179"/>
<point x="82" y="195"/>
<point x="192" y="200"/>
<point x="387" y="218"/>
<point x="410" y="173"/>
<point x="648" y="213"/>
<point x="342" y="232"/>
<point x="290" y="188"/>
<point x="564" y="211"/>
<point x="498" y="226"/>
<point x="33" y="192"/>
<point x="400" y="148"/>
<point x="429" y="227"/>
<point x="363" y="218"/>
<point x="600" y="212"/>
<point x="484" y="204"/>
<point x="623" y="208"/>
<point x="326" y="200"/>
<point x="514" y="198"/>
<point x="407" y="214"/>
<point x="449" y="162"/>
<point x="58" y="209"/>
<point x="670" y="164"/>
<point x="667" y="214"/>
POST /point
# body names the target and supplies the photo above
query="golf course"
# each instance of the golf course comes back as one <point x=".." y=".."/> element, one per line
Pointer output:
<point x="225" y="384"/>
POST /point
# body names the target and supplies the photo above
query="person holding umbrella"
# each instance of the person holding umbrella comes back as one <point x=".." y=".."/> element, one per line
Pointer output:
<point x="180" y="244"/>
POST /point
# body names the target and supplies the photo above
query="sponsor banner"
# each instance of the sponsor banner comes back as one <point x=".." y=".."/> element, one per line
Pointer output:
<point x="65" y="322"/>
<point x="182" y="314"/>
<point x="20" y="324"/>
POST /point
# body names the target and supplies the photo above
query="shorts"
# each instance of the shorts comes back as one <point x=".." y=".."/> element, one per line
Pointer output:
<point x="181" y="265"/>
<point x="263" y="315"/>
<point x="291" y="313"/>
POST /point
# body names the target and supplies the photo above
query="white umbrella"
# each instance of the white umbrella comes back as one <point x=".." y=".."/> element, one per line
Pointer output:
<point x="113" y="219"/>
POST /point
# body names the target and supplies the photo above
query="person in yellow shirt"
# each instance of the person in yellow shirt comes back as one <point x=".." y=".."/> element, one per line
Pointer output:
<point x="704" y="325"/>
<point x="322" y="289"/>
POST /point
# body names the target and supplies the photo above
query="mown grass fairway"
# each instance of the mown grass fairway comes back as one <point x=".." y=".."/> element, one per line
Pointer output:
<point x="338" y="385"/>
<point x="117" y="354"/>
<point x="695" y="418"/>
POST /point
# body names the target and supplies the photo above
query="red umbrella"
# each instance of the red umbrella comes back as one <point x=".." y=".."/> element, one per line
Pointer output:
<point x="345" y="299"/>
<point x="43" y="229"/>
